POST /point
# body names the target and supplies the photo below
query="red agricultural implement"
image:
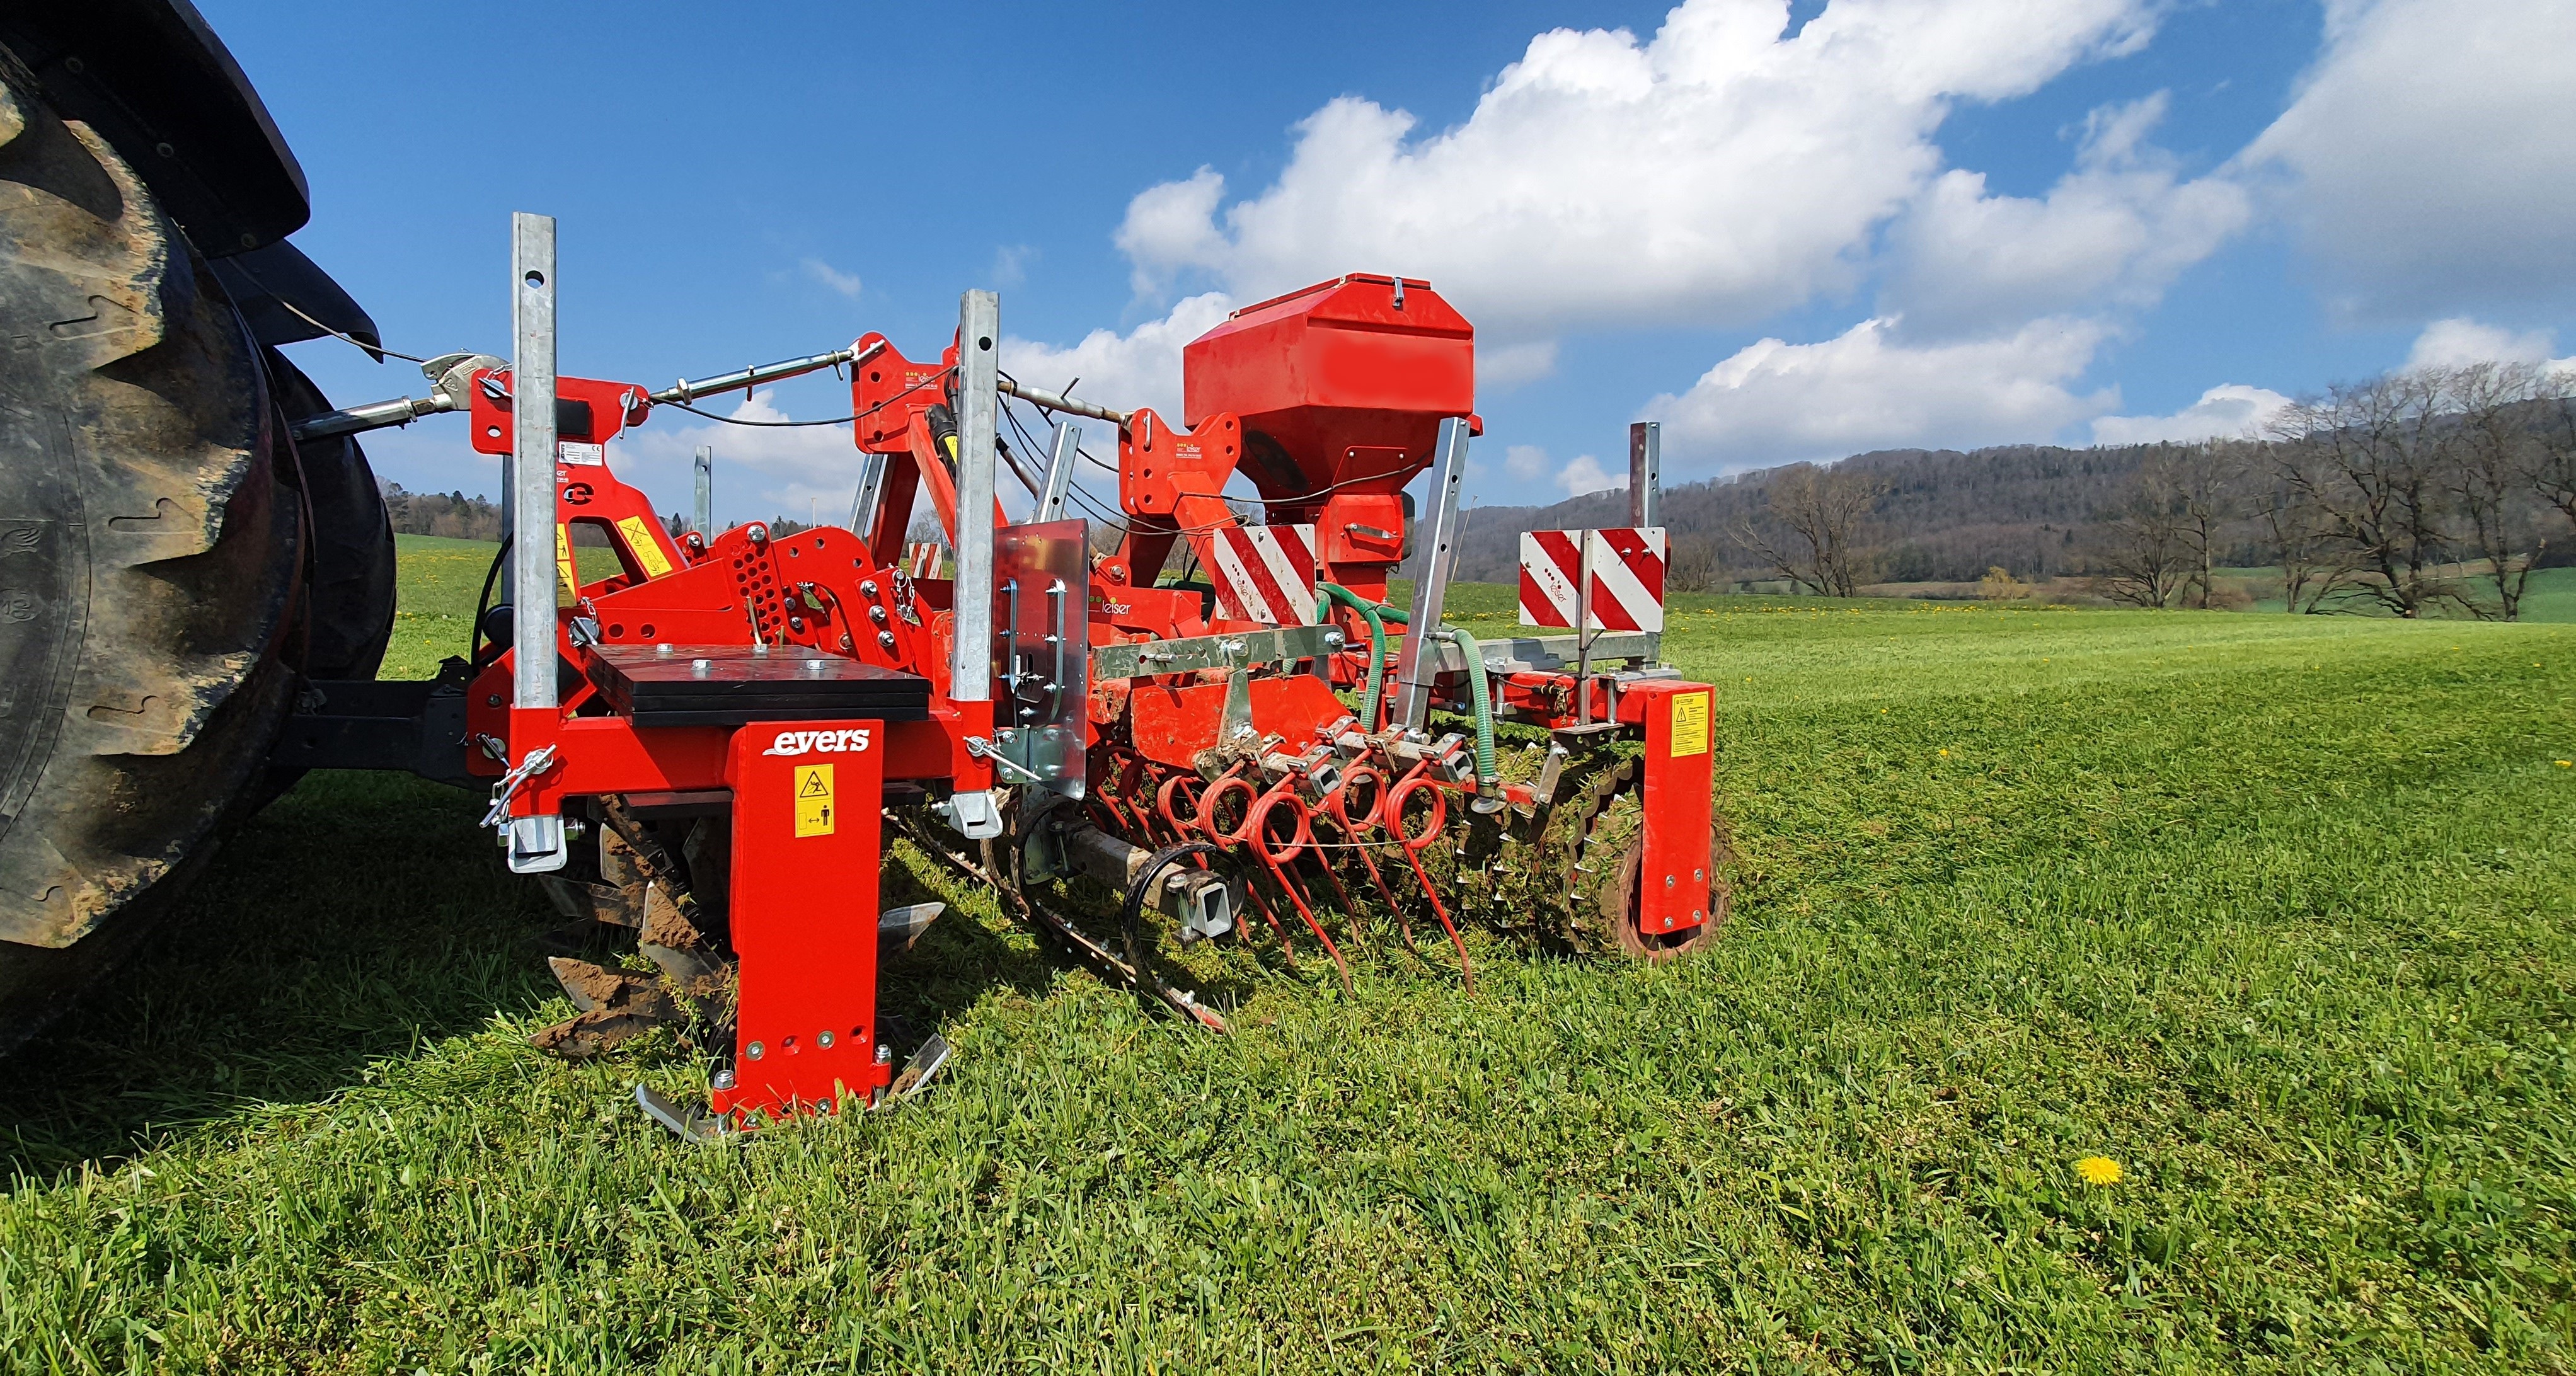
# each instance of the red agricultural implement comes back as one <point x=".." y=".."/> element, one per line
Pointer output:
<point x="724" y="728"/>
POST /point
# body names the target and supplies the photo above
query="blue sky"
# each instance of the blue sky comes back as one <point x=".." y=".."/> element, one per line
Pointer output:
<point x="1788" y="230"/>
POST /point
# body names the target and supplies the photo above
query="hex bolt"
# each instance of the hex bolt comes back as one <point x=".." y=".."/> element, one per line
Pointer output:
<point x="867" y="587"/>
<point x="824" y="1039"/>
<point x="1699" y="874"/>
<point x="885" y="640"/>
<point x="724" y="1079"/>
<point x="885" y="1054"/>
<point x="1668" y="881"/>
<point x="755" y="1051"/>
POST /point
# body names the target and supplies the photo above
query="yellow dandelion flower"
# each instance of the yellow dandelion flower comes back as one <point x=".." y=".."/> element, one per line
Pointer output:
<point x="1945" y="752"/>
<point x="2098" y="1170"/>
<point x="2567" y="764"/>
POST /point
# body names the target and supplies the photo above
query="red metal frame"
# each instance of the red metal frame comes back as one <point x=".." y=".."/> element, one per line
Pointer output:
<point x="804" y="921"/>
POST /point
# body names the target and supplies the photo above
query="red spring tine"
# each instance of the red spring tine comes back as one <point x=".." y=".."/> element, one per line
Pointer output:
<point x="1203" y="822"/>
<point x="1256" y="827"/>
<point x="1177" y="787"/>
<point x="1323" y="860"/>
<point x="1256" y="831"/>
<point x="1339" y="800"/>
<point x="1439" y="817"/>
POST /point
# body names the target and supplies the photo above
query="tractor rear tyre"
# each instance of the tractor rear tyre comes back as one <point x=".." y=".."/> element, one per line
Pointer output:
<point x="155" y="546"/>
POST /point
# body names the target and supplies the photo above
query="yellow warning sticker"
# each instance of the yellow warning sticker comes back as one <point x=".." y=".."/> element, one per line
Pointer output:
<point x="813" y="800"/>
<point x="1690" y="724"/>
<point x="563" y="560"/>
<point x="648" y="551"/>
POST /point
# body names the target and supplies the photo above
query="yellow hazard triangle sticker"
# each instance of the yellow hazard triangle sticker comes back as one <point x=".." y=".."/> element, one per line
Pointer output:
<point x="813" y="800"/>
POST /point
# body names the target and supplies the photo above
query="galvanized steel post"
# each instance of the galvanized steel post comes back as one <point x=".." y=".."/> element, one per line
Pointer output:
<point x="979" y="333"/>
<point x="1415" y="670"/>
<point x="532" y="459"/>
<point x="1645" y="473"/>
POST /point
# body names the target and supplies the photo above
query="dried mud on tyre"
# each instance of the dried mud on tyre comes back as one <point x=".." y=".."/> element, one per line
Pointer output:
<point x="150" y="560"/>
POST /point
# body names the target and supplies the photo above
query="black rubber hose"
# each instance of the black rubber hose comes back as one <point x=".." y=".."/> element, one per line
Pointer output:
<point x="483" y="603"/>
<point x="1132" y="918"/>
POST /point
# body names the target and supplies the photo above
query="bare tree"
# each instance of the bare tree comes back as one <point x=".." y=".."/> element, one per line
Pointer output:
<point x="2146" y="558"/>
<point x="2314" y="565"/>
<point x="2552" y="458"/>
<point x="2371" y="458"/>
<point x="2206" y="483"/>
<point x="1695" y="565"/>
<point x="2490" y="476"/>
<point x="1819" y="515"/>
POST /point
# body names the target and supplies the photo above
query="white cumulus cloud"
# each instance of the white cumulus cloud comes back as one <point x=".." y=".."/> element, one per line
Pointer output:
<point x="760" y="471"/>
<point x="2115" y="230"/>
<point x="2458" y="340"/>
<point x="2228" y="411"/>
<point x="1717" y="173"/>
<point x="1775" y="402"/>
<point x="1139" y="368"/>
<point x="1585" y="474"/>
<point x="2426" y="159"/>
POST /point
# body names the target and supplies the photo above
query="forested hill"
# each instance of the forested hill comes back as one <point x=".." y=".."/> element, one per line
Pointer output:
<point x="1943" y="514"/>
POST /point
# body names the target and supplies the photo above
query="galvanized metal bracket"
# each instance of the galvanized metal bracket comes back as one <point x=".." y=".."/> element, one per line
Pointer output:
<point x="1278" y="645"/>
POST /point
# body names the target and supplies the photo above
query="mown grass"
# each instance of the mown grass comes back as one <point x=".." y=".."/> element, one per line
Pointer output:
<point x="2274" y="911"/>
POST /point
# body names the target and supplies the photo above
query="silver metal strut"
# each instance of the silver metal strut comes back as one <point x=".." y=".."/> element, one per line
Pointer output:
<point x="1645" y="473"/>
<point x="536" y="843"/>
<point x="705" y="468"/>
<point x="970" y="662"/>
<point x="1414" y="671"/>
<point x="1062" y="456"/>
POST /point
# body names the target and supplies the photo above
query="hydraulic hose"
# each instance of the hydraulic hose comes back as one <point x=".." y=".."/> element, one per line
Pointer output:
<point x="1374" y="615"/>
<point x="1489" y="776"/>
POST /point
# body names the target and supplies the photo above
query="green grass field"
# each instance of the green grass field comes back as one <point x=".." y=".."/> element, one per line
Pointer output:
<point x="2273" y="911"/>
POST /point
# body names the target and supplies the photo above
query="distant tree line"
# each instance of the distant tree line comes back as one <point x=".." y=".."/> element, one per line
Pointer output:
<point x="459" y="517"/>
<point x="2423" y="489"/>
<point x="452" y="514"/>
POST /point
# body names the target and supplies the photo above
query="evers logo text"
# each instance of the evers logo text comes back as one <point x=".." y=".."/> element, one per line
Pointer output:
<point x="822" y="742"/>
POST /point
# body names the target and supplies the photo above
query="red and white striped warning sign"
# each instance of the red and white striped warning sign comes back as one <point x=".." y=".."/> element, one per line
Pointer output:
<point x="921" y="558"/>
<point x="1264" y="573"/>
<point x="1627" y="578"/>
<point x="1627" y="566"/>
<point x="1551" y="561"/>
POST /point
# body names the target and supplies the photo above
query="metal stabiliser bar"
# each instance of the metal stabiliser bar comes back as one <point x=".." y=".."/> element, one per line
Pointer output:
<point x="1049" y="401"/>
<point x="685" y="391"/>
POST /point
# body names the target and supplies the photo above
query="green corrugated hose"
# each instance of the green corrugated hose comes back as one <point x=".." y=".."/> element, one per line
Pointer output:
<point x="1374" y="615"/>
<point x="1489" y="776"/>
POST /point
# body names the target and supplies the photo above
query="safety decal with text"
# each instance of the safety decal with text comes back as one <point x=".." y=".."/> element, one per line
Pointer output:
<point x="813" y="800"/>
<point x="563" y="560"/>
<point x="639" y="538"/>
<point x="1690" y="724"/>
